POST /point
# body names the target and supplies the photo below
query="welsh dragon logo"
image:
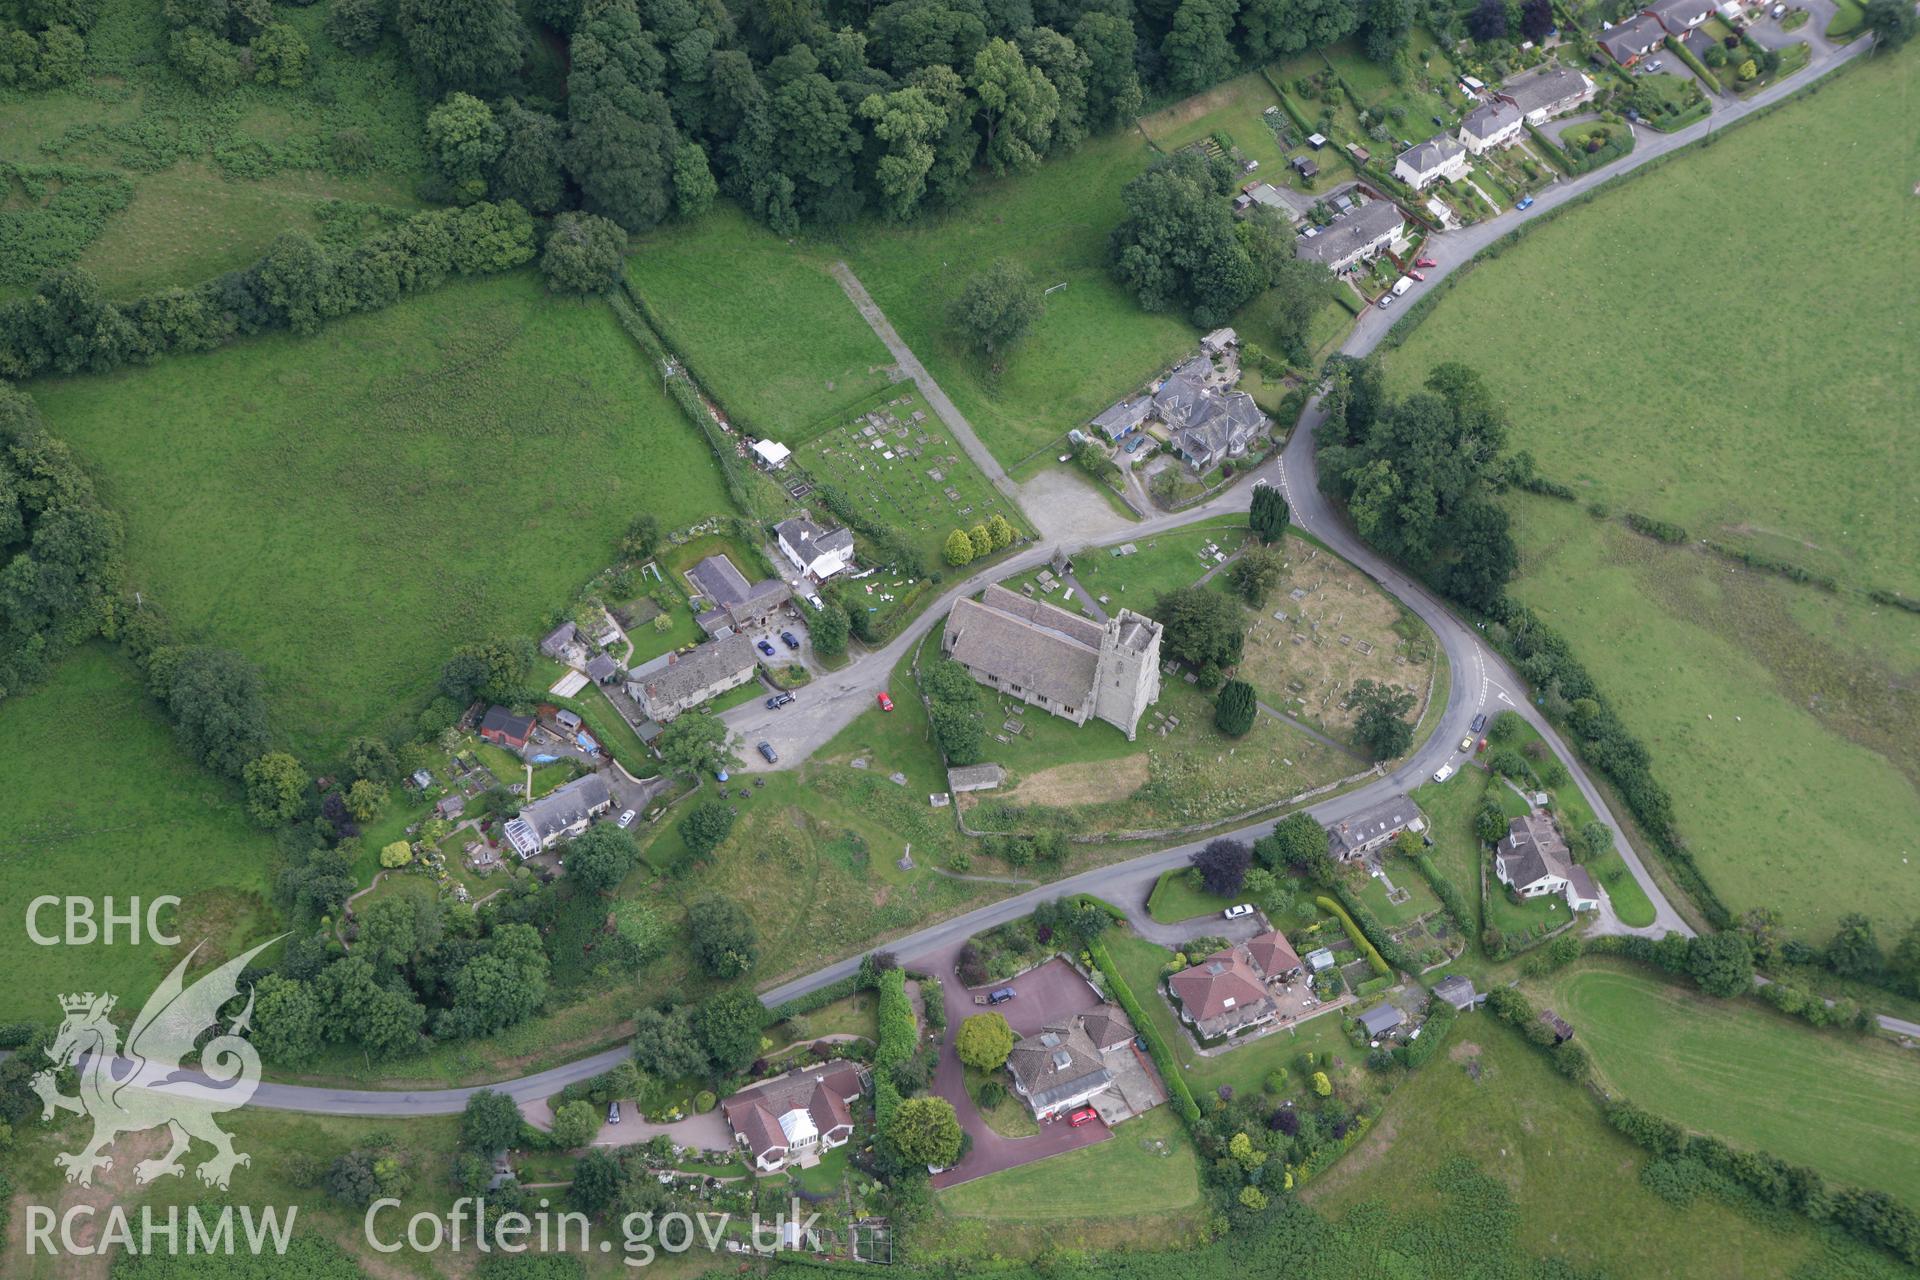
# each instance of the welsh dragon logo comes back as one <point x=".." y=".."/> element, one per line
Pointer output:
<point x="148" y="1087"/>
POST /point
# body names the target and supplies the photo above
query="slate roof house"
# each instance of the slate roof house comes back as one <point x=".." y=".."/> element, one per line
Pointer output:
<point x="567" y="811"/>
<point x="1679" y="16"/>
<point x="1494" y="123"/>
<point x="602" y="669"/>
<point x="1356" y="234"/>
<point x="1218" y="427"/>
<point x="1533" y="860"/>
<point x="560" y="642"/>
<point x="1457" y="991"/>
<point x="669" y="685"/>
<point x="793" y="1119"/>
<point x="1207" y="421"/>
<point x="1074" y="667"/>
<point x="1060" y="1067"/>
<point x="816" y="551"/>
<point x="1380" y="1020"/>
<point x="1629" y="41"/>
<point x="1122" y="418"/>
<point x="1426" y="163"/>
<point x="504" y="729"/>
<point x="733" y="603"/>
<point x="1372" y="827"/>
<point x="1548" y="92"/>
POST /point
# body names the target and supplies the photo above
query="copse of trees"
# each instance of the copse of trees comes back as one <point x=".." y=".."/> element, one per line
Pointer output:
<point x="68" y="326"/>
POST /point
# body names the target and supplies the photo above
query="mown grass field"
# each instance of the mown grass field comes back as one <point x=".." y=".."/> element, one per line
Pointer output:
<point x="345" y="509"/>
<point x="1574" y="1181"/>
<point x="105" y="802"/>
<point x="1736" y="1069"/>
<point x="214" y="181"/>
<point x="1784" y="438"/>
<point x="765" y="326"/>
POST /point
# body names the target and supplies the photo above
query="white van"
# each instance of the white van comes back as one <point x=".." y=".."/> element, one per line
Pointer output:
<point x="1401" y="286"/>
<point x="1444" y="772"/>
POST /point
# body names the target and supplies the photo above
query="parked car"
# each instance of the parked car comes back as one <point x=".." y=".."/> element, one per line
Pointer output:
<point x="886" y="703"/>
<point x="1526" y="202"/>
<point x="1386" y="300"/>
<point x="1479" y="722"/>
<point x="768" y="753"/>
<point x="764" y="647"/>
<point x="1466" y="744"/>
<point x="1238" y="911"/>
<point x="1415" y="275"/>
<point x="613" y="1113"/>
<point x="1083" y="1116"/>
<point x="1425" y="262"/>
<point x="1001" y="996"/>
<point x="1444" y="772"/>
<point x="778" y="701"/>
<point x="789" y="639"/>
<point x="1437" y="120"/>
<point x="626" y="820"/>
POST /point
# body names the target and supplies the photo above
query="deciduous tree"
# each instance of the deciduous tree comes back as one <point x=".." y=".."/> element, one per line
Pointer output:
<point x="1223" y="866"/>
<point x="925" y="1131"/>
<point x="996" y="308"/>
<point x="984" y="1041"/>
<point x="723" y="937"/>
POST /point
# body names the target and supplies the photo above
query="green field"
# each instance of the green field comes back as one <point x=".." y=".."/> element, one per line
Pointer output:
<point x="765" y="326"/>
<point x="214" y="181"/>
<point x="345" y="509"/>
<point x="1736" y="1069"/>
<point x="1776" y="714"/>
<point x="107" y="803"/>
<point x="1146" y="1167"/>
<point x="1093" y="345"/>
<point x="1574" y="1181"/>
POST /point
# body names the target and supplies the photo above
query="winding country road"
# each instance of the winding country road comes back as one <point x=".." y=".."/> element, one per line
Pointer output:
<point x="1480" y="680"/>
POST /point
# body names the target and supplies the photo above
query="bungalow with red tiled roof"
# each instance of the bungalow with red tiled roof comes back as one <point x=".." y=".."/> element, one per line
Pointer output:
<point x="1274" y="955"/>
<point x="1224" y="995"/>
<point x="794" y="1118"/>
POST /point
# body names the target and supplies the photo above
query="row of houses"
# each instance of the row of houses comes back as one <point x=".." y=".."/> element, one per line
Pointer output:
<point x="1499" y="121"/>
<point x="1633" y="39"/>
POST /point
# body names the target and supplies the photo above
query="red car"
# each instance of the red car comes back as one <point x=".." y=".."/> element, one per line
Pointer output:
<point x="886" y="703"/>
<point x="1425" y="262"/>
<point x="1417" y="276"/>
<point x="1082" y="1116"/>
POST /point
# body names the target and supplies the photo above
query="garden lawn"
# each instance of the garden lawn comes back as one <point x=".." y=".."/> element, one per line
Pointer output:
<point x="1812" y="696"/>
<point x="1847" y="1106"/>
<point x="764" y="326"/>
<point x="1147" y="1167"/>
<point x="1574" y="1181"/>
<point x="345" y="509"/>
<point x="213" y="181"/>
<point x="1175" y="898"/>
<point x="108" y="803"/>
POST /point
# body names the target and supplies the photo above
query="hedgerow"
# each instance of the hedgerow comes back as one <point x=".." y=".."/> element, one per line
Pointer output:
<point x="1163" y="1058"/>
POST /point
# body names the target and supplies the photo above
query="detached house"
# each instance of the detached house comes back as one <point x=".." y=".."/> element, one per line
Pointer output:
<point x="1426" y="163"/>
<point x="1063" y="1066"/>
<point x="1494" y="123"/>
<point x="814" y="550"/>
<point x="566" y="812"/>
<point x="1546" y="93"/>
<point x="1074" y="667"/>
<point x="1372" y="827"/>
<point x="795" y="1118"/>
<point x="1207" y="421"/>
<point x="669" y="685"/>
<point x="1677" y="17"/>
<point x="1226" y="994"/>
<point x="1632" y="40"/>
<point x="1534" y="861"/>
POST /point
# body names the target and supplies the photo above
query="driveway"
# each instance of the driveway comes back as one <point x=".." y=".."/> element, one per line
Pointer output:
<point x="1048" y="993"/>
